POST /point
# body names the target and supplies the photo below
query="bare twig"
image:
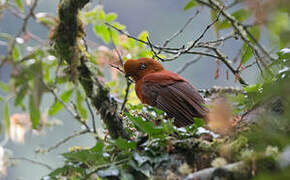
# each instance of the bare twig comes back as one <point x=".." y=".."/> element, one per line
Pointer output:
<point x="188" y="64"/>
<point x="23" y="27"/>
<point x="33" y="162"/>
<point x="126" y="95"/>
<point x="250" y="65"/>
<point x="240" y="29"/>
<point x="225" y="61"/>
<point x="119" y="55"/>
<point x="92" y="115"/>
<point x="222" y="39"/>
<point x="184" y="50"/>
<point x="63" y="141"/>
<point x="117" y="67"/>
<point x="175" y="51"/>
<point x="167" y="41"/>
<point x="75" y="114"/>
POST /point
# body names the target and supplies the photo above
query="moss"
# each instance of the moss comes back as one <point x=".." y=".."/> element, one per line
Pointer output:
<point x="238" y="144"/>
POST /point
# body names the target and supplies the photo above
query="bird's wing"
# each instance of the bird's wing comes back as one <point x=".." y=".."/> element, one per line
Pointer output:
<point x="175" y="96"/>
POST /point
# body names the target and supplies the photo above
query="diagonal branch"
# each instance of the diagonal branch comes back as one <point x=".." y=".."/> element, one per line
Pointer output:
<point x="67" y="42"/>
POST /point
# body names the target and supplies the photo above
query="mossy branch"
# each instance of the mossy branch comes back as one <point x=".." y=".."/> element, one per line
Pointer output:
<point x="66" y="38"/>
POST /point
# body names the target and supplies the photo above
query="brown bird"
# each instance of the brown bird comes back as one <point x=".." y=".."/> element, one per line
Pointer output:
<point x="165" y="90"/>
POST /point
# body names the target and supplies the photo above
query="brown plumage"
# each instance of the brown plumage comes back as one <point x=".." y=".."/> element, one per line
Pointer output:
<point x="165" y="90"/>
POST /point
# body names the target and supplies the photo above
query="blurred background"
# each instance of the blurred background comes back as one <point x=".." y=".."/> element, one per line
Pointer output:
<point x="161" y="19"/>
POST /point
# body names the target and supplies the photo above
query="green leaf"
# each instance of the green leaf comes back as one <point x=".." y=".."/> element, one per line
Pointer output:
<point x="4" y="87"/>
<point x="98" y="147"/>
<point x="284" y="53"/>
<point x="198" y="122"/>
<point x="34" y="113"/>
<point x="111" y="17"/>
<point x="19" y="5"/>
<point x="142" y="36"/>
<point x="44" y="19"/>
<point x="118" y="25"/>
<point x="252" y="88"/>
<point x="101" y="14"/>
<point x="112" y="171"/>
<point x="123" y="144"/>
<point x="223" y="24"/>
<point x="189" y="5"/>
<point x="85" y="156"/>
<point x="79" y="104"/>
<point x="20" y="95"/>
<point x="65" y="169"/>
<point x="16" y="53"/>
<point x="140" y="159"/>
<point x="6" y="117"/>
<point x="1" y="98"/>
<point x="103" y="32"/>
<point x="116" y="38"/>
<point x="241" y="15"/>
<point x="246" y="53"/>
<point x="6" y="36"/>
<point x="146" y="126"/>
<point x="255" y="31"/>
<point x="131" y="43"/>
<point x="57" y="106"/>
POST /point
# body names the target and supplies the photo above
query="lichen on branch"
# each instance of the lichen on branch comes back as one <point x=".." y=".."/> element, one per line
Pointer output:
<point x="66" y="38"/>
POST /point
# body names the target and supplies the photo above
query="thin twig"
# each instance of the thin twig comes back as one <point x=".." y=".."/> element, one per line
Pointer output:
<point x="225" y="61"/>
<point x="23" y="27"/>
<point x="75" y="114"/>
<point x="250" y="65"/>
<point x="115" y="47"/>
<point x="126" y="95"/>
<point x="188" y="64"/>
<point x="239" y="28"/>
<point x="63" y="141"/>
<point x="117" y="67"/>
<point x="92" y="115"/>
<point x="175" y="51"/>
<point x="167" y="41"/>
<point x="222" y="39"/>
<point x="33" y="162"/>
<point x="184" y="50"/>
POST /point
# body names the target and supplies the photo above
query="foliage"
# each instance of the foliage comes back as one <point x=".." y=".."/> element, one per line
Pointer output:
<point x="155" y="148"/>
<point x="128" y="159"/>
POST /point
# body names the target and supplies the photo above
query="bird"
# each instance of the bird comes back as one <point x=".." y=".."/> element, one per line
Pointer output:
<point x="165" y="90"/>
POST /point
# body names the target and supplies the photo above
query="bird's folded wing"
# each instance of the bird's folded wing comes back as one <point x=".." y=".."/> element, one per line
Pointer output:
<point x="179" y="99"/>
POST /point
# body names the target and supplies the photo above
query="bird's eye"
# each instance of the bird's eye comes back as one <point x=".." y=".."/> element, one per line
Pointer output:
<point x="142" y="66"/>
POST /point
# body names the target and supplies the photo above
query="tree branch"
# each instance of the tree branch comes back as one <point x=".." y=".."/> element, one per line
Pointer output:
<point x="66" y="38"/>
<point x="63" y="141"/>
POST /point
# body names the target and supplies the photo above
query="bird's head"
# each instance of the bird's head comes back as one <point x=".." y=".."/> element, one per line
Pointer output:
<point x="138" y="68"/>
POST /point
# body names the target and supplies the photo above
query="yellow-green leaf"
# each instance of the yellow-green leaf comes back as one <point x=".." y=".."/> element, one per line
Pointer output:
<point x="111" y="17"/>
<point x="16" y="53"/>
<point x="57" y="106"/>
<point x="246" y="53"/>
<point x="34" y="113"/>
<point x="103" y="32"/>
<point x="189" y="5"/>
<point x="142" y="36"/>
<point x="6" y="117"/>
<point x="79" y="104"/>
<point x="19" y="5"/>
<point x="4" y="87"/>
<point x="242" y="15"/>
